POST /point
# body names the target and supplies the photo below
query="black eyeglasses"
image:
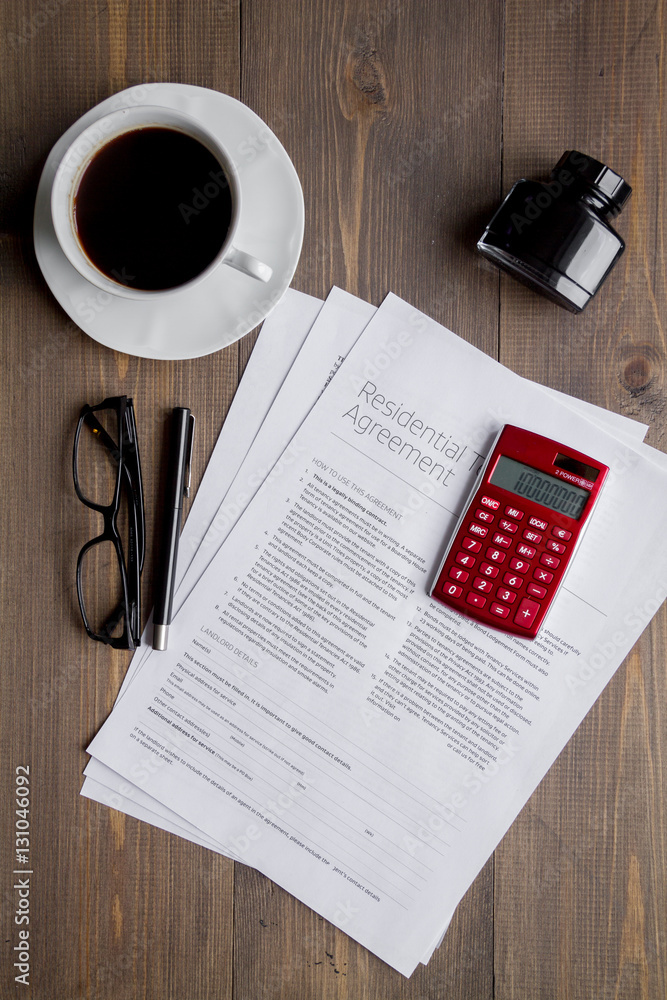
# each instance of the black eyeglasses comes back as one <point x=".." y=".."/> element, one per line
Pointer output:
<point x="107" y="479"/>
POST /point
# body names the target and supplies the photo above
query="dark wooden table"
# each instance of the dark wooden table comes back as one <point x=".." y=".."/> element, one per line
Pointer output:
<point x="406" y="122"/>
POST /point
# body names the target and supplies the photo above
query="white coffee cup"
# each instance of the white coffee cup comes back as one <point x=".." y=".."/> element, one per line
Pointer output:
<point x="78" y="157"/>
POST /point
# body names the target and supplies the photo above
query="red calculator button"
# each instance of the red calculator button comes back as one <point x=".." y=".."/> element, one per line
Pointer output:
<point x="535" y="522"/>
<point x="476" y="600"/>
<point x="536" y="591"/>
<point x="463" y="559"/>
<point x="452" y="590"/>
<point x="480" y="583"/>
<point x="513" y="512"/>
<point x="549" y="561"/>
<point x="509" y="526"/>
<point x="525" y="550"/>
<point x="513" y="581"/>
<point x="500" y="610"/>
<point x="506" y="595"/>
<point x="561" y="533"/>
<point x="520" y="565"/>
<point x="471" y="545"/>
<point x="556" y="547"/>
<point x="502" y="540"/>
<point x="458" y="574"/>
<point x="484" y="515"/>
<point x="486" y="569"/>
<point x="532" y="536"/>
<point x="478" y="529"/>
<point x="490" y="503"/>
<point x="542" y="576"/>
<point x="526" y="612"/>
<point x="495" y="555"/>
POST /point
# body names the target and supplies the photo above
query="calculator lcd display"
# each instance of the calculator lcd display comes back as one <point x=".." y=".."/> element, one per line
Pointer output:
<point x="539" y="487"/>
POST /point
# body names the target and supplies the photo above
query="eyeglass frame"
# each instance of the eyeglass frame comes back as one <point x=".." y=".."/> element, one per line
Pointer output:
<point x="126" y="453"/>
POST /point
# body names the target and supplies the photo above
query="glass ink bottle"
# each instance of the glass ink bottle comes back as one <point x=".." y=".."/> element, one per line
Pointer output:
<point x="555" y="236"/>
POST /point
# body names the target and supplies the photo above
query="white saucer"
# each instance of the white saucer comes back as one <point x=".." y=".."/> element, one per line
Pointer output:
<point x="227" y="304"/>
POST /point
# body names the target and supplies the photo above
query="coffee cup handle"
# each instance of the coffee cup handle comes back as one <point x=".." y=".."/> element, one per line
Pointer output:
<point x="249" y="265"/>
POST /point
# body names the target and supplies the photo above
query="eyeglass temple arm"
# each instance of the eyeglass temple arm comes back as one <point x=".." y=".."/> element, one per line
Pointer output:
<point x="99" y="431"/>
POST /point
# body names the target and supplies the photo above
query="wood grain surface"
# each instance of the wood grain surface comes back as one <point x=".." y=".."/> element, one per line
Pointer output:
<point x="407" y="122"/>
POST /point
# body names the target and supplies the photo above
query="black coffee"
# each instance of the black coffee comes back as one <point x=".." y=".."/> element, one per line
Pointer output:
<point x="153" y="208"/>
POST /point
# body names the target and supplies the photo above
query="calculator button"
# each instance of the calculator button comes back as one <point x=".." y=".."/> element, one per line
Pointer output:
<point x="535" y="522"/>
<point x="512" y="581"/>
<point x="484" y="515"/>
<point x="514" y="513"/>
<point x="480" y="583"/>
<point x="458" y="574"/>
<point x="500" y="610"/>
<point x="490" y="503"/>
<point x="476" y="600"/>
<point x="502" y="540"/>
<point x="551" y="561"/>
<point x="526" y="612"/>
<point x="471" y="545"/>
<point x="463" y="559"/>
<point x="532" y="536"/>
<point x="520" y="565"/>
<point x="486" y="569"/>
<point x="509" y="526"/>
<point x="561" y="533"/>
<point x="452" y="590"/>
<point x="542" y="576"/>
<point x="556" y="547"/>
<point x="525" y="550"/>
<point x="495" y="555"/>
<point x="506" y="595"/>
<point x="535" y="590"/>
<point x="478" y="529"/>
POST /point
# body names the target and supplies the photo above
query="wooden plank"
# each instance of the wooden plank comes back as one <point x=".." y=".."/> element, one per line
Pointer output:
<point x="391" y="115"/>
<point x="580" y="877"/>
<point x="120" y="909"/>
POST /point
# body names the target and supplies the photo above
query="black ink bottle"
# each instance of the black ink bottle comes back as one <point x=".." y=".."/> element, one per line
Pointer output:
<point x="555" y="236"/>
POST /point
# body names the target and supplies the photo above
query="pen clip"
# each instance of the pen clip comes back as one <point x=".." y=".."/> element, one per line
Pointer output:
<point x="188" y="456"/>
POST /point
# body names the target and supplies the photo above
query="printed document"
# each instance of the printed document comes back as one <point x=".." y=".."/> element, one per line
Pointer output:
<point x="316" y="714"/>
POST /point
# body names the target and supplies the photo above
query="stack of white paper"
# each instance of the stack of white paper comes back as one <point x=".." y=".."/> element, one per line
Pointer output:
<point x="317" y="716"/>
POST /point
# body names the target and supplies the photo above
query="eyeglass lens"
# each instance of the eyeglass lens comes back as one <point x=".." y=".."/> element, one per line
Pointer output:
<point x="97" y="463"/>
<point x="102" y="589"/>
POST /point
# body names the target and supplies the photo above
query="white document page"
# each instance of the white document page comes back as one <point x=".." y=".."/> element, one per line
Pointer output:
<point x="338" y="326"/>
<point x="330" y="733"/>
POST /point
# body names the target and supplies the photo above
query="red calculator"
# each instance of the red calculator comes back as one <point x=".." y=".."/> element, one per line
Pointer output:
<point x="518" y="532"/>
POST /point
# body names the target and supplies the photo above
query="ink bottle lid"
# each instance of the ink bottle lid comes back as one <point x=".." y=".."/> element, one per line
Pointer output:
<point x="555" y="236"/>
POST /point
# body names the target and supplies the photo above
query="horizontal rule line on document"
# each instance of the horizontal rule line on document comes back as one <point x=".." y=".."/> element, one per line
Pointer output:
<point x="345" y="785"/>
<point x="293" y="826"/>
<point x="363" y="847"/>
<point x="320" y="723"/>
<point x="366" y="788"/>
<point x="280" y="696"/>
<point x="392" y="473"/>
